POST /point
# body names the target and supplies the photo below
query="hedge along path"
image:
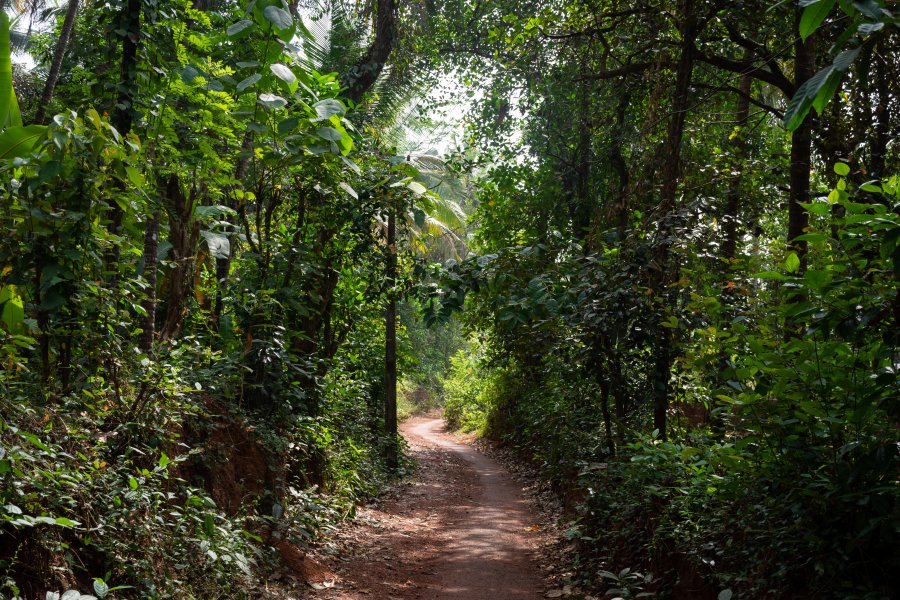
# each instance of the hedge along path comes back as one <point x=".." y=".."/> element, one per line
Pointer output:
<point x="460" y="530"/>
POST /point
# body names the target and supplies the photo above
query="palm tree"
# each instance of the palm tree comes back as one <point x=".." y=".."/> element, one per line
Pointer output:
<point x="62" y="45"/>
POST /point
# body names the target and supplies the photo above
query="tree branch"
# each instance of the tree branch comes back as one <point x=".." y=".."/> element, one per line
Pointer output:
<point x="744" y="67"/>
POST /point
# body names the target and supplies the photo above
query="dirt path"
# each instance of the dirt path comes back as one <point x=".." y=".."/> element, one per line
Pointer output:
<point x="460" y="530"/>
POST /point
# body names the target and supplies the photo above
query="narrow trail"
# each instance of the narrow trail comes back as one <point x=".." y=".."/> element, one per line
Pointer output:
<point x="459" y="530"/>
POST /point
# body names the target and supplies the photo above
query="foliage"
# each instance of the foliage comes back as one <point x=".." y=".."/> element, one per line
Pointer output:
<point x="192" y="267"/>
<point x="713" y="374"/>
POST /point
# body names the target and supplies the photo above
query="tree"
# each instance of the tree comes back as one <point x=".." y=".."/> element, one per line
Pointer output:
<point x="62" y="44"/>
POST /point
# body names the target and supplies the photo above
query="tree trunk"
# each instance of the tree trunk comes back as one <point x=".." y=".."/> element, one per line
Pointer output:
<point x="617" y="162"/>
<point x="58" y="54"/>
<point x="151" y="245"/>
<point x="123" y="115"/>
<point x="731" y="216"/>
<point x="603" y="380"/>
<point x="390" y="346"/>
<point x="801" y="150"/>
<point x="363" y="75"/>
<point x="581" y="211"/>
<point x="882" y="136"/>
<point x="671" y="176"/>
<point x="184" y="233"/>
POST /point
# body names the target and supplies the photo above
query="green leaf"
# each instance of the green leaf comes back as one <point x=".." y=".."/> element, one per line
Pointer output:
<point x="238" y="28"/>
<point x="209" y="524"/>
<point x="281" y="20"/>
<point x="288" y="125"/>
<point x="20" y="141"/>
<point x="813" y="16"/>
<point x="845" y="59"/>
<point x="802" y="101"/>
<point x="417" y="188"/>
<point x="347" y="188"/>
<point x="213" y="211"/>
<point x="249" y="81"/>
<point x="132" y="483"/>
<point x="36" y="442"/>
<point x="100" y="588"/>
<point x="816" y="279"/>
<point x="135" y="176"/>
<point x="842" y="169"/>
<point x="725" y="594"/>
<point x="272" y="101"/>
<point x="325" y="109"/>
<point x="13" y="310"/>
<point x="329" y="133"/>
<point x="218" y="244"/>
<point x="870" y="8"/>
<point x="792" y="263"/>
<point x="826" y="91"/>
<point x="66" y="522"/>
<point x="284" y="73"/>
<point x="9" y="106"/>
<point x="163" y="460"/>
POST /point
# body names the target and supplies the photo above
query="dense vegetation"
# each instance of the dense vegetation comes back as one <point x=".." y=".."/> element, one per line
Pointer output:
<point x="679" y="282"/>
<point x="686" y="285"/>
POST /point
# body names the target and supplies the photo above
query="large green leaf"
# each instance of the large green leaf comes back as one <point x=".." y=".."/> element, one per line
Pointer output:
<point x="281" y="21"/>
<point x="218" y="244"/>
<point x="12" y="311"/>
<point x="816" y="91"/>
<point x="241" y="27"/>
<point x="284" y="73"/>
<point x="7" y="94"/>
<point x="20" y="141"/>
<point x="813" y="16"/>
<point x="325" y="109"/>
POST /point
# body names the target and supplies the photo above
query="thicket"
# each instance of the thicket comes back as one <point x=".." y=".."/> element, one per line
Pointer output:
<point x="203" y="237"/>
<point x="685" y="295"/>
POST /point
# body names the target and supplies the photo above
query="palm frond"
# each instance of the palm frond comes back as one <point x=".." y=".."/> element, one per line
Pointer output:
<point x="337" y="36"/>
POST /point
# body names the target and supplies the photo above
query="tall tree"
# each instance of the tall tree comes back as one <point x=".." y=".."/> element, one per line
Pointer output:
<point x="62" y="44"/>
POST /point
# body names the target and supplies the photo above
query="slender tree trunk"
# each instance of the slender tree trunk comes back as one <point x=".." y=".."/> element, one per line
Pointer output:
<point x="882" y="136"/>
<point x="731" y="220"/>
<point x="603" y="380"/>
<point x="731" y="217"/>
<point x="390" y="346"/>
<point x="617" y="161"/>
<point x="151" y="245"/>
<point x="581" y="211"/>
<point x="184" y="233"/>
<point x="59" y="53"/>
<point x="671" y="176"/>
<point x="223" y="265"/>
<point x="123" y="116"/>
<point x="801" y="150"/>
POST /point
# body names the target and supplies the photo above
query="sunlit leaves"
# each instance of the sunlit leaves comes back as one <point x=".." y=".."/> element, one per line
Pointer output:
<point x="285" y="74"/>
<point x="272" y="101"/>
<point x="327" y="108"/>
<point x="281" y="21"/>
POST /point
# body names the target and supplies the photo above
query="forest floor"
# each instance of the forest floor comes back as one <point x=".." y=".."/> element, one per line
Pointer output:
<point x="461" y="528"/>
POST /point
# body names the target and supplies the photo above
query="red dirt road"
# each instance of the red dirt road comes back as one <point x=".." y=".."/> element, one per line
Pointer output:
<point x="460" y="530"/>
